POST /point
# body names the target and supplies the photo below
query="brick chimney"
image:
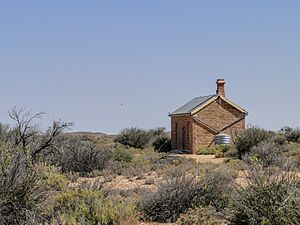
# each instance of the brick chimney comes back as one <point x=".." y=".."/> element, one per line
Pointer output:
<point x="220" y="87"/>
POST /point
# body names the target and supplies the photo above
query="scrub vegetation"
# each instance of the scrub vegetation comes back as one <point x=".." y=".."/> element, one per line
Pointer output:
<point x="55" y="177"/>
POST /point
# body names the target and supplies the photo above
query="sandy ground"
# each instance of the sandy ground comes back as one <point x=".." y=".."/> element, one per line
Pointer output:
<point x="122" y="183"/>
<point x="119" y="182"/>
<point x="148" y="182"/>
<point x="204" y="158"/>
<point x="157" y="223"/>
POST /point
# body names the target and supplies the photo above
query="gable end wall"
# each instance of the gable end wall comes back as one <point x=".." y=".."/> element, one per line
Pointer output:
<point x="218" y="114"/>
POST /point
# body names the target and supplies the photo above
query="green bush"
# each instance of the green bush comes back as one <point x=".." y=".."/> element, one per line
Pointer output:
<point x="134" y="137"/>
<point x="90" y="207"/>
<point x="292" y="150"/>
<point x="155" y="132"/>
<point x="250" y="138"/>
<point x="213" y="150"/>
<point x="121" y="154"/>
<point x="162" y="144"/>
<point x="52" y="179"/>
<point x="141" y="138"/>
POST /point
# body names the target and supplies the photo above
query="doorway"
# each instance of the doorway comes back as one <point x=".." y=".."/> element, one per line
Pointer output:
<point x="183" y="138"/>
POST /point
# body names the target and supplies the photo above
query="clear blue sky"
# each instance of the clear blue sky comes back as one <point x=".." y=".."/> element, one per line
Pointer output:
<point x="107" y="65"/>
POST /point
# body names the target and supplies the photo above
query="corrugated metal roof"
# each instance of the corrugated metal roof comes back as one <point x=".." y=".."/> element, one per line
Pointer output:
<point x="194" y="103"/>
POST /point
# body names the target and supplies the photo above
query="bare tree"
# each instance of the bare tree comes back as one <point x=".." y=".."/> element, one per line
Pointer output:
<point x="25" y="129"/>
<point x="27" y="135"/>
<point x="48" y="139"/>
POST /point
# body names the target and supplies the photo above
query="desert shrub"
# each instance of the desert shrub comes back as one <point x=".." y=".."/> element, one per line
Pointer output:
<point x="141" y="138"/>
<point x="146" y="161"/>
<point x="4" y="132"/>
<point x="80" y="156"/>
<point x="184" y="190"/>
<point x="267" y="154"/>
<point x="121" y="154"/>
<point x="162" y="144"/>
<point x="291" y="134"/>
<point x="22" y="194"/>
<point x="173" y="197"/>
<point x="279" y="139"/>
<point x="134" y="137"/>
<point x="26" y="136"/>
<point x="201" y="215"/>
<point x="155" y="132"/>
<point x="213" y="150"/>
<point x="231" y="153"/>
<point x="270" y="197"/>
<point x="292" y="150"/>
<point x="250" y="138"/>
<point x="53" y="180"/>
<point x="23" y="187"/>
<point x="215" y="186"/>
<point x="131" y="162"/>
<point x="90" y="207"/>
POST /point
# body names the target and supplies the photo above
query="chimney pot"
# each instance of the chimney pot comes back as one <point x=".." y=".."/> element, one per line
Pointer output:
<point x="220" y="87"/>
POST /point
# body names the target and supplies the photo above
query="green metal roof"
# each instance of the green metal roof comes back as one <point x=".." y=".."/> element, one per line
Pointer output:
<point x="191" y="105"/>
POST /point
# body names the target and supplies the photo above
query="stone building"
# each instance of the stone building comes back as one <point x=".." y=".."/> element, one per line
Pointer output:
<point x="195" y="124"/>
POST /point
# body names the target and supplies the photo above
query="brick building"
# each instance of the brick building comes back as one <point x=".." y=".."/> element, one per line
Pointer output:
<point x="195" y="124"/>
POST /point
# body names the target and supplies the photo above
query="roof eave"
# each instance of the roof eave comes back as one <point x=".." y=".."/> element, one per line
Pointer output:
<point x="179" y="114"/>
<point x="234" y="105"/>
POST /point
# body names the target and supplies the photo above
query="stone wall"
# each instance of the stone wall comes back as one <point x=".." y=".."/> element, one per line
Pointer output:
<point x="181" y="132"/>
<point x="218" y="115"/>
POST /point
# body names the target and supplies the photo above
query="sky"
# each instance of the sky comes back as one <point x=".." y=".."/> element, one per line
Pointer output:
<point x="108" y="65"/>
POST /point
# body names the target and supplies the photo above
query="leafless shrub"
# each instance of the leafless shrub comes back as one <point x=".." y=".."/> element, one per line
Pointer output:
<point x="27" y="136"/>
<point x="80" y="156"/>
